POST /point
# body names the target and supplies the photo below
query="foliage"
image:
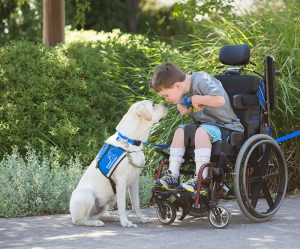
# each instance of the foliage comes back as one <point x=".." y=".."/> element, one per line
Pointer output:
<point x="161" y="24"/>
<point x="97" y="15"/>
<point x="36" y="185"/>
<point x="81" y="8"/>
<point x="194" y="10"/>
<point x="71" y="97"/>
<point x="39" y="185"/>
<point x="20" y="20"/>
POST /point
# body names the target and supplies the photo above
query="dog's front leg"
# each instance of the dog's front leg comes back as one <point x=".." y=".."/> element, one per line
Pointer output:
<point x="135" y="202"/>
<point x="121" y="202"/>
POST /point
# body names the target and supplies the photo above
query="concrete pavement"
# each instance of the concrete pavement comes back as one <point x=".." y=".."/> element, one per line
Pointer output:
<point x="56" y="231"/>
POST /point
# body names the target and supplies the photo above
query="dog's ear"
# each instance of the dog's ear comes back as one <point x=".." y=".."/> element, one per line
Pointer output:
<point x="143" y="111"/>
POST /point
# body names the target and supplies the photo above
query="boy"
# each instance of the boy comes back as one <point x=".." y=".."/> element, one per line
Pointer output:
<point x="204" y="97"/>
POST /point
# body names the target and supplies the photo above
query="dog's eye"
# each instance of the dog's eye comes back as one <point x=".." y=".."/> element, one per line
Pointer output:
<point x="152" y="104"/>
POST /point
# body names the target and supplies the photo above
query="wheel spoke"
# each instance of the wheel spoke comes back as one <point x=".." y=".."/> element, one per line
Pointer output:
<point x="256" y="165"/>
<point x="255" y="192"/>
<point x="254" y="179"/>
<point x="267" y="195"/>
<point x="264" y="160"/>
<point x="273" y="175"/>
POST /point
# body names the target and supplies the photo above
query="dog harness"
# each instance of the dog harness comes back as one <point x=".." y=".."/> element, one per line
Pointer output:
<point x="109" y="157"/>
<point x="107" y="161"/>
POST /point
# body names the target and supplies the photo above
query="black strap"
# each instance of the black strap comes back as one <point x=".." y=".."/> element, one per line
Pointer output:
<point x="113" y="185"/>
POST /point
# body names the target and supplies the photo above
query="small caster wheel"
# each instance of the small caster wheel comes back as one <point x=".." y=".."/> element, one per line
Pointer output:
<point x="219" y="217"/>
<point x="166" y="212"/>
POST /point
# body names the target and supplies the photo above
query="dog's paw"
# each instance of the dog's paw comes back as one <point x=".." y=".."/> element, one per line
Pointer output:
<point x="110" y="218"/>
<point x="113" y="218"/>
<point x="144" y="219"/>
<point x="128" y="223"/>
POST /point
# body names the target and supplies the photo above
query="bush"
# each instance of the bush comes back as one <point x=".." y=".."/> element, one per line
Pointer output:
<point x="70" y="97"/>
<point x="36" y="184"/>
<point x="39" y="185"/>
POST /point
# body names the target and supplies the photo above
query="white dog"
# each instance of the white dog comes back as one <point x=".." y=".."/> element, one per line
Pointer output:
<point x="94" y="194"/>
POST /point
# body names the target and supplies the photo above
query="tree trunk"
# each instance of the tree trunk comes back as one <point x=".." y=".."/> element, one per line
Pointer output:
<point x="133" y="9"/>
<point x="53" y="22"/>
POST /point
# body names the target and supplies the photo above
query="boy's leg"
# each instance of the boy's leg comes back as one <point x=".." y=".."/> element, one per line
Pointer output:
<point x="177" y="152"/>
<point x="170" y="179"/>
<point x="204" y="137"/>
<point x="202" y="150"/>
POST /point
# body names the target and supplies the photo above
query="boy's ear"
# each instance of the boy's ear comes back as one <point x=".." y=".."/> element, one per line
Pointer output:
<point x="176" y="85"/>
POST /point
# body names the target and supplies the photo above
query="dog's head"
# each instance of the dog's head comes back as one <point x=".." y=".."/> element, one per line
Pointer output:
<point x="137" y="122"/>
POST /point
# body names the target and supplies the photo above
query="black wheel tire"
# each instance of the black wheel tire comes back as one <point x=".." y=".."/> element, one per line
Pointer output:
<point x="166" y="212"/>
<point x="224" y="217"/>
<point x="255" y="167"/>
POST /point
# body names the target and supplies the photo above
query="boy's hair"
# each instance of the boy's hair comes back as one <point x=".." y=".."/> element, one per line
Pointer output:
<point x="165" y="75"/>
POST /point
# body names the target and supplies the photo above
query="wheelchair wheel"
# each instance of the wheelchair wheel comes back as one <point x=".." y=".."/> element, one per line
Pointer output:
<point x="166" y="212"/>
<point x="260" y="180"/>
<point x="219" y="217"/>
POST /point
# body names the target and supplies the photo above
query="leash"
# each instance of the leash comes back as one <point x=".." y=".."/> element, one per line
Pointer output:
<point x="131" y="161"/>
<point x="288" y="136"/>
<point x="162" y="146"/>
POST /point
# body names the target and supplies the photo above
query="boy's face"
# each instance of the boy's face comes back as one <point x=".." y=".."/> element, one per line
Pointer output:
<point x="172" y="94"/>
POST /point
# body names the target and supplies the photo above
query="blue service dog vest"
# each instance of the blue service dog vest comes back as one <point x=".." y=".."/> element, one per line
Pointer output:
<point x="108" y="159"/>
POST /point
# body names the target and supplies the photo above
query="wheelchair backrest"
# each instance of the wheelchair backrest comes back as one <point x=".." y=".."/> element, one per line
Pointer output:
<point x="241" y="89"/>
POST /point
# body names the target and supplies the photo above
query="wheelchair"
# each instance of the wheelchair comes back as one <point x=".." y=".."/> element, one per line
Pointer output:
<point x="250" y="161"/>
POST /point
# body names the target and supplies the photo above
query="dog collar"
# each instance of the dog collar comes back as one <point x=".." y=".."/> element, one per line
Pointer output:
<point x="128" y="140"/>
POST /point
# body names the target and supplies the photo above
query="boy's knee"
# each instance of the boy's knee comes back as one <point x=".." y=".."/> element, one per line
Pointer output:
<point x="203" y="134"/>
<point x="179" y="132"/>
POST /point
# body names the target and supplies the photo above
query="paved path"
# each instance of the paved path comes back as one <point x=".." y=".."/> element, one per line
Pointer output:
<point x="56" y="231"/>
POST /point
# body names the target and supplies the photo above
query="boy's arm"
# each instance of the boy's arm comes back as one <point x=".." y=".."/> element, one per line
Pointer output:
<point x="183" y="109"/>
<point x="207" y="100"/>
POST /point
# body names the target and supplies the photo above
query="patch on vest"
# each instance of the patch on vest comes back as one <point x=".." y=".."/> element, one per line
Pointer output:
<point x="108" y="159"/>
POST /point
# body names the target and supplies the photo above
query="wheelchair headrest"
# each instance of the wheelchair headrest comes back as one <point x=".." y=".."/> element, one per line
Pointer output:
<point x="235" y="55"/>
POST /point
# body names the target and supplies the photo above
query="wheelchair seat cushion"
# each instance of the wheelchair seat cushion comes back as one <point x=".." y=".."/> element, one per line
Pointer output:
<point x="212" y="130"/>
<point x="230" y="143"/>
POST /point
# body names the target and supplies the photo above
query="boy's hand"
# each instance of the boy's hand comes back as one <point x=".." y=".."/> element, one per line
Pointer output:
<point x="195" y="103"/>
<point x="183" y="109"/>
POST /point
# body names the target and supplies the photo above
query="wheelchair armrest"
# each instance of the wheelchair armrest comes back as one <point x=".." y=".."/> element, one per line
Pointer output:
<point x="236" y="139"/>
<point x="222" y="147"/>
<point x="244" y="101"/>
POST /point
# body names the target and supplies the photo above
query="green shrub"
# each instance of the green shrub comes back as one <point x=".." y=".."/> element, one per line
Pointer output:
<point x="39" y="185"/>
<point x="70" y="97"/>
<point x="36" y="184"/>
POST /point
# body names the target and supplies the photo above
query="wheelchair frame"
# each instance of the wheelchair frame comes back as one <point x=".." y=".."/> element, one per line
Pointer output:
<point x="253" y="158"/>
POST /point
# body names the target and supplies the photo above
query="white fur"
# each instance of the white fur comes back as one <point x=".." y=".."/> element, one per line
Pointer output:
<point x="93" y="196"/>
